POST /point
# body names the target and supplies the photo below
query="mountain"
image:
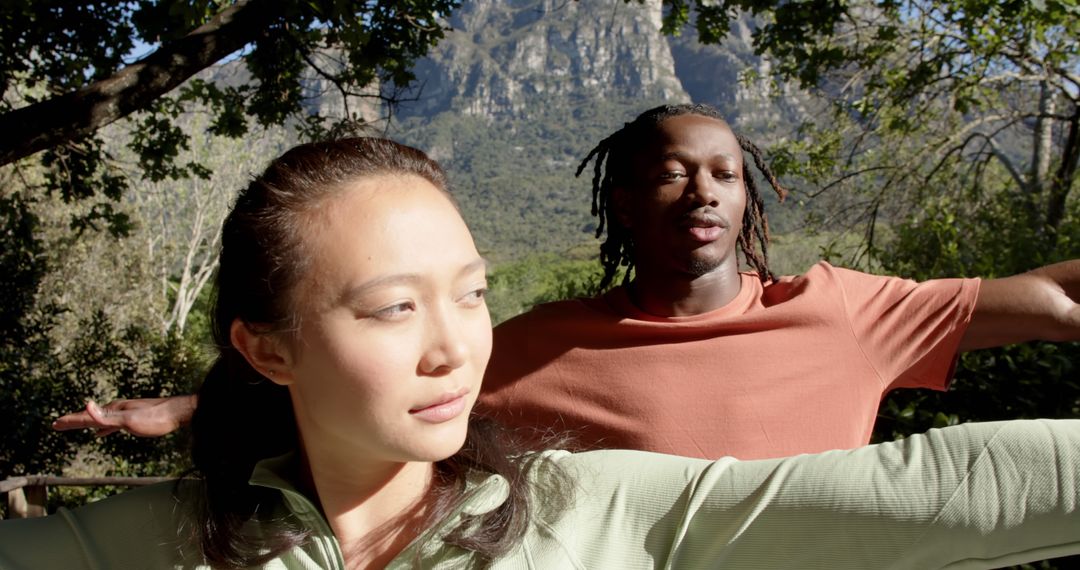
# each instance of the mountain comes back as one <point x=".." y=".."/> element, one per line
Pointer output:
<point x="504" y="60"/>
<point x="520" y="91"/>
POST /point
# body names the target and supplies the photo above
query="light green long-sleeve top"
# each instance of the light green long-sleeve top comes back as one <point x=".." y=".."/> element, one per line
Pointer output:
<point x="972" y="496"/>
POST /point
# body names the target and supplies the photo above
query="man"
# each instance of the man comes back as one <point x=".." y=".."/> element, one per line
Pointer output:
<point x="694" y="358"/>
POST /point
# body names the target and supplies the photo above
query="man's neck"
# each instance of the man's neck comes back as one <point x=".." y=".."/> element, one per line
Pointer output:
<point x="681" y="295"/>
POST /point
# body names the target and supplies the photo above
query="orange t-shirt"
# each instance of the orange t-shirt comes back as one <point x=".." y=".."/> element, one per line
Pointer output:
<point x="795" y="366"/>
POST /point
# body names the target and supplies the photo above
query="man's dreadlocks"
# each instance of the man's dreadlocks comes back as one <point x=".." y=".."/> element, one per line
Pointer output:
<point x="618" y="151"/>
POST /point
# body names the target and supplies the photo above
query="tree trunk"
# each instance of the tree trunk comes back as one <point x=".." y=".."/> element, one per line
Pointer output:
<point x="1044" y="141"/>
<point x="1061" y="183"/>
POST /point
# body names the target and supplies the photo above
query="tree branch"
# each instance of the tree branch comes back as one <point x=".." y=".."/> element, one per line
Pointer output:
<point x="844" y="177"/>
<point x="73" y="115"/>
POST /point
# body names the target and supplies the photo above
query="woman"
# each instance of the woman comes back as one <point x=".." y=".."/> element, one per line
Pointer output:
<point x="333" y="430"/>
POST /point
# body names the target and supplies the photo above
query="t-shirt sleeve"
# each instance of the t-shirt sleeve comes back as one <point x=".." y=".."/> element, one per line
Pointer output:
<point x="909" y="331"/>
<point x="983" y="494"/>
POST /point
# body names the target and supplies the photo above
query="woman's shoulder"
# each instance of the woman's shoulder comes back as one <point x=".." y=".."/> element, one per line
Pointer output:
<point x="618" y="472"/>
<point x="630" y="459"/>
<point x="617" y="508"/>
<point x="148" y="527"/>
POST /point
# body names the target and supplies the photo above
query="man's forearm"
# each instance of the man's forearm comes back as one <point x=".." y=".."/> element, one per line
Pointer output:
<point x="1038" y="305"/>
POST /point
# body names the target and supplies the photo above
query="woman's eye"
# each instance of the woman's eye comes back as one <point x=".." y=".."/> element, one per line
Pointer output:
<point x="727" y="175"/>
<point x="396" y="311"/>
<point x="475" y="297"/>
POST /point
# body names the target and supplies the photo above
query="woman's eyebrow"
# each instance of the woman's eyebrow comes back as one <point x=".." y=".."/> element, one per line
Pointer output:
<point x="478" y="263"/>
<point x="353" y="293"/>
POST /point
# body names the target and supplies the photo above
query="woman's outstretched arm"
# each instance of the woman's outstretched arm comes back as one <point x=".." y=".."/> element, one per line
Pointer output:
<point x="970" y="496"/>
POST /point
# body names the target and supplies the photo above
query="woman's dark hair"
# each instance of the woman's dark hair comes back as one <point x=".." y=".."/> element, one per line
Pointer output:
<point x="242" y="417"/>
<point x="619" y="150"/>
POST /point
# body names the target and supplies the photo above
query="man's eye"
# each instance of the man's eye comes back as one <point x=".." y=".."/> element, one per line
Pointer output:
<point x="727" y="175"/>
<point x="673" y="175"/>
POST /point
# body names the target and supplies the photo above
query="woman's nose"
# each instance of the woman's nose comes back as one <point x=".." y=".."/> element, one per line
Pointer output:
<point x="445" y="349"/>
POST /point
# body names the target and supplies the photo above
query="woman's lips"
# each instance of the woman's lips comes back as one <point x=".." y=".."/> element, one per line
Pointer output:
<point x="444" y="409"/>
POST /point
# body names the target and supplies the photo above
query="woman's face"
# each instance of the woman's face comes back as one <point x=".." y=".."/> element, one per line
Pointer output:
<point x="395" y="333"/>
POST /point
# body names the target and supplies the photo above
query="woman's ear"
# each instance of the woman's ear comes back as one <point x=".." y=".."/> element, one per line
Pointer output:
<point x="266" y="353"/>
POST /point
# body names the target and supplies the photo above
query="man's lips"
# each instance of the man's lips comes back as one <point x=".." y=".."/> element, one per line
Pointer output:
<point x="703" y="226"/>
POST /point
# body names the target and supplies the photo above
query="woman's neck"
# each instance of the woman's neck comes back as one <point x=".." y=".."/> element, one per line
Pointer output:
<point x="375" y="510"/>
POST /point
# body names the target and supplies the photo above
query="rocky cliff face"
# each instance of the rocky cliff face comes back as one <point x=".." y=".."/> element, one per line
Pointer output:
<point x="731" y="77"/>
<point x="505" y="58"/>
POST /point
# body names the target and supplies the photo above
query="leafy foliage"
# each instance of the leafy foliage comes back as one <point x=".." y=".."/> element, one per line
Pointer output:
<point x="518" y="286"/>
<point x="952" y="143"/>
<point x="933" y="96"/>
<point x="55" y="352"/>
<point x="356" y="46"/>
<point x="43" y="375"/>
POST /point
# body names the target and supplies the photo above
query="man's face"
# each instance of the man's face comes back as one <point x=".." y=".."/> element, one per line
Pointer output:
<point x="684" y="198"/>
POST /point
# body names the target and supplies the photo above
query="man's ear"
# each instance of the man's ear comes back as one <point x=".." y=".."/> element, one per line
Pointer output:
<point x="620" y="205"/>
<point x="266" y="353"/>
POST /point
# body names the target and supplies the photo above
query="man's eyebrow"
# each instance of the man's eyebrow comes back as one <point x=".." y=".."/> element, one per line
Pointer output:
<point x="678" y="155"/>
<point x="405" y="278"/>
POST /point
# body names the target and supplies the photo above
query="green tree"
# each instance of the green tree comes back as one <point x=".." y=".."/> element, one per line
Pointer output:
<point x="932" y="97"/>
<point x="1026" y="380"/>
<point x="179" y="221"/>
<point x="65" y="74"/>
<point x="953" y="143"/>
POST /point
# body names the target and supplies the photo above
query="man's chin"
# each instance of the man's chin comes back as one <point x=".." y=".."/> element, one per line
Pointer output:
<point x="699" y="267"/>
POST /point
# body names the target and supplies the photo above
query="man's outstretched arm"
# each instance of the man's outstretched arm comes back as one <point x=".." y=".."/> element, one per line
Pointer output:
<point x="147" y="417"/>
<point x="1041" y="304"/>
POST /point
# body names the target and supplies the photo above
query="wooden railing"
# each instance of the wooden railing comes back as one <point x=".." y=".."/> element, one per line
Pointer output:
<point x="26" y="496"/>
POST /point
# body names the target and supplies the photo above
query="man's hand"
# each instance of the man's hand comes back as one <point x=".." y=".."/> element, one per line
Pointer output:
<point x="146" y="417"/>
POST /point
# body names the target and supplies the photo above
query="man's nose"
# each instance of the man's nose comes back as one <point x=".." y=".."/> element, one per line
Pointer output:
<point x="702" y="189"/>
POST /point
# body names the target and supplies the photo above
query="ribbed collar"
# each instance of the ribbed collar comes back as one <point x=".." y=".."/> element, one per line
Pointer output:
<point x="484" y="492"/>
